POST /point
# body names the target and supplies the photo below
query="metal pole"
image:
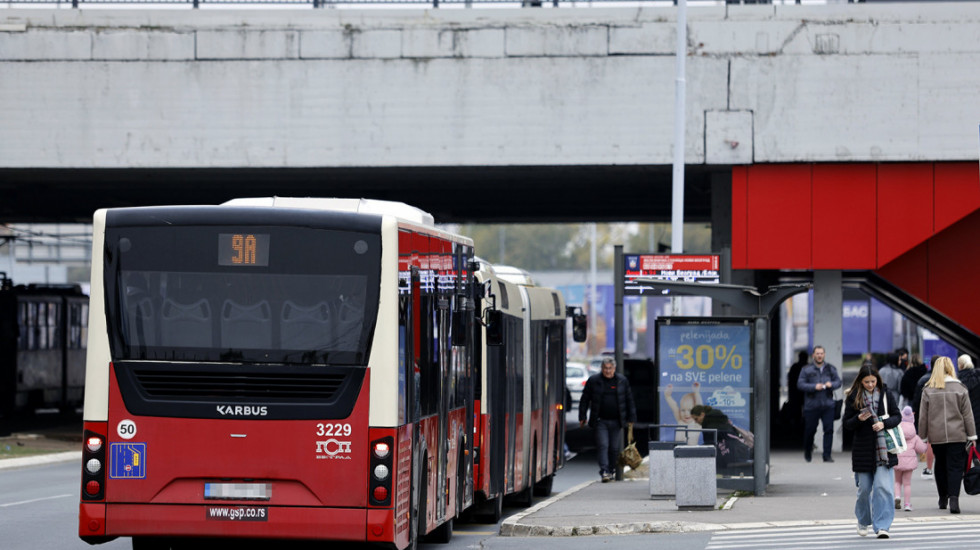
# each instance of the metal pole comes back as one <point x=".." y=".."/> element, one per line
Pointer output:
<point x="593" y="299"/>
<point x="620" y="289"/>
<point x="680" y="85"/>
<point x="760" y="401"/>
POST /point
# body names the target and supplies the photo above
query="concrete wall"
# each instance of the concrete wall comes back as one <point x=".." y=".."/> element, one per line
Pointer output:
<point x="290" y="88"/>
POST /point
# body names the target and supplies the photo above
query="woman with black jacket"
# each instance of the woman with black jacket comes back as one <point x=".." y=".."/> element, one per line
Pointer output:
<point x="865" y="405"/>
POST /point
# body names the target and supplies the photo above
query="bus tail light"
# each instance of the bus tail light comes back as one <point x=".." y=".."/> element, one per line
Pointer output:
<point x="93" y="461"/>
<point x="379" y="486"/>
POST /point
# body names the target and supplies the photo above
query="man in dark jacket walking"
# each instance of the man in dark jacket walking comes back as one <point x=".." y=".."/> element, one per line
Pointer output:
<point x="610" y="399"/>
<point x="910" y="380"/>
<point x="891" y="374"/>
<point x="970" y="378"/>
<point x="818" y="382"/>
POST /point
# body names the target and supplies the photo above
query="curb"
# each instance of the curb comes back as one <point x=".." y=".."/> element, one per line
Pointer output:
<point x="52" y="458"/>
<point x="511" y="527"/>
<point x="636" y="528"/>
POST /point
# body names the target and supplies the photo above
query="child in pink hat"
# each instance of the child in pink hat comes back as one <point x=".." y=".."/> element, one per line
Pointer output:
<point x="907" y="460"/>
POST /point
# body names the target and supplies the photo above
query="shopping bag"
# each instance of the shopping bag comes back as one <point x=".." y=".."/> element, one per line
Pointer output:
<point x="895" y="440"/>
<point x="731" y="450"/>
<point x="839" y="403"/>
<point x="630" y="456"/>
<point x="894" y="437"/>
<point x="747" y="437"/>
<point x="838" y="408"/>
<point x="971" y="479"/>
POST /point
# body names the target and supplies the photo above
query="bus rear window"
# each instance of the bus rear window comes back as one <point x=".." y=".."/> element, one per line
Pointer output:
<point x="292" y="295"/>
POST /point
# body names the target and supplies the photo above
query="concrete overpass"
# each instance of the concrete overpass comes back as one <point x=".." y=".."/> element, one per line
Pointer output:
<point x="825" y="138"/>
<point x="478" y="114"/>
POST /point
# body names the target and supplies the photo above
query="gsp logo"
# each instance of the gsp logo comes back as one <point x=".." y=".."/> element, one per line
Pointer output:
<point x="333" y="449"/>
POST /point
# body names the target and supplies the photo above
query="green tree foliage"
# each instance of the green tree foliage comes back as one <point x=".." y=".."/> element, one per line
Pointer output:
<point x="552" y="247"/>
<point x="533" y="247"/>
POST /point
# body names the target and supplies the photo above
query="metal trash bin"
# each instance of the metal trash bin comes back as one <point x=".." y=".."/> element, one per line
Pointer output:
<point x="661" y="464"/>
<point x="695" y="479"/>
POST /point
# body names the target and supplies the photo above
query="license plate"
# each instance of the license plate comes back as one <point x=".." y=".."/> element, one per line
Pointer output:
<point x="237" y="513"/>
<point x="237" y="491"/>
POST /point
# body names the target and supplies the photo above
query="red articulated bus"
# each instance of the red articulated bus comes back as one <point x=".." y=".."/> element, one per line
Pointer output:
<point x="303" y="369"/>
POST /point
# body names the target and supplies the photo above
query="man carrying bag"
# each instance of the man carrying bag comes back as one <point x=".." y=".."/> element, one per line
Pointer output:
<point x="610" y="399"/>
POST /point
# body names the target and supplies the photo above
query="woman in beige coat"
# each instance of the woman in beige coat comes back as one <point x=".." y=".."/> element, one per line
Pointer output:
<point x="946" y="421"/>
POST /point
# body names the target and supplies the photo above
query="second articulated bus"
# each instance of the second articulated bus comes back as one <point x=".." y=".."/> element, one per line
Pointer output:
<point x="520" y="390"/>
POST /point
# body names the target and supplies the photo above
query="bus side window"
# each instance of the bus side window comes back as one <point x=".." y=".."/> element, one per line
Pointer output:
<point x="405" y="373"/>
<point x="429" y="355"/>
<point x="408" y="375"/>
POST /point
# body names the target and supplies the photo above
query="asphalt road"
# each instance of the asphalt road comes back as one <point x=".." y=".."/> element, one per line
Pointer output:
<point x="39" y="508"/>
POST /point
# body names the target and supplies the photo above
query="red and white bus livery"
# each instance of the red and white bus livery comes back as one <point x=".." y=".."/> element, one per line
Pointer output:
<point x="281" y="368"/>
<point x="254" y="371"/>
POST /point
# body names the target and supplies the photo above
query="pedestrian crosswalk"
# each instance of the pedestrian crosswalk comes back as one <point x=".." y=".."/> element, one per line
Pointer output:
<point x="908" y="535"/>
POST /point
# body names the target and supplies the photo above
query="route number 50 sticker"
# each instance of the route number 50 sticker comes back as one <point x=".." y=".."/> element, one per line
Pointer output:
<point x="126" y="429"/>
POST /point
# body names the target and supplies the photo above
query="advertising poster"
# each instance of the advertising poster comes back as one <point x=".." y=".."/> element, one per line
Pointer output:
<point x="705" y="362"/>
<point x="855" y="327"/>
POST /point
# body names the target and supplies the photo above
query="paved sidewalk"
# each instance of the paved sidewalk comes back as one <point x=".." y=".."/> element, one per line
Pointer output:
<point x="53" y="458"/>
<point x="799" y="493"/>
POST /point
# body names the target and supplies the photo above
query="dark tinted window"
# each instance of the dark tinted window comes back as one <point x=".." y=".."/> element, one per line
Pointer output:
<point x="254" y="294"/>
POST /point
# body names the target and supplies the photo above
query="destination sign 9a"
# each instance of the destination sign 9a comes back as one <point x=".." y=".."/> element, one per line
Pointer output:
<point x="692" y="268"/>
<point x="243" y="249"/>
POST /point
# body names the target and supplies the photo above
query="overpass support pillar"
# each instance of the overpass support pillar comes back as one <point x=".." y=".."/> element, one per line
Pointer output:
<point x="828" y="305"/>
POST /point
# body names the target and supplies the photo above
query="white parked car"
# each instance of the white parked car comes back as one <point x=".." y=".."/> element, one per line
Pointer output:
<point x="575" y="376"/>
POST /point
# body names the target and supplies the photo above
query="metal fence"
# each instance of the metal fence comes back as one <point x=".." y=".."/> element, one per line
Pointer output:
<point x="382" y="3"/>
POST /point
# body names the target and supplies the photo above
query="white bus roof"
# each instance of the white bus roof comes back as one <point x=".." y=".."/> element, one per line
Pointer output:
<point x="364" y="206"/>
<point x="514" y="275"/>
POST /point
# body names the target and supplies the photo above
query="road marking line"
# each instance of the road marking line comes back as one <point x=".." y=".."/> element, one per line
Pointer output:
<point x="35" y="500"/>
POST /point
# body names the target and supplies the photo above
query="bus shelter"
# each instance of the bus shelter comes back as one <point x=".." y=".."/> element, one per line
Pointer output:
<point x="727" y="357"/>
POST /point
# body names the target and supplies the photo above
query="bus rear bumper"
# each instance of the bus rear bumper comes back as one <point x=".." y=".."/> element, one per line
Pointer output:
<point x="236" y="521"/>
<point x="91" y="523"/>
